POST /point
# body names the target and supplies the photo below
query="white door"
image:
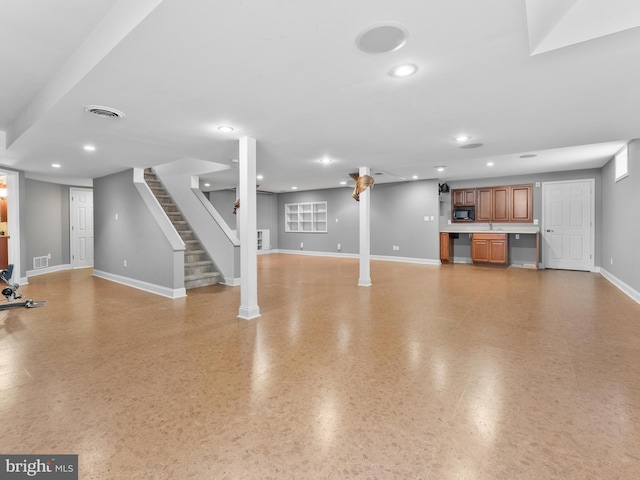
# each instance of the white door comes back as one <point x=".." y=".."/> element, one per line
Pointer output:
<point x="567" y="228"/>
<point x="81" y="228"/>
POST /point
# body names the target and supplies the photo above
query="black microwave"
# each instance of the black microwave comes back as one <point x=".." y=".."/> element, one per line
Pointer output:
<point x="464" y="214"/>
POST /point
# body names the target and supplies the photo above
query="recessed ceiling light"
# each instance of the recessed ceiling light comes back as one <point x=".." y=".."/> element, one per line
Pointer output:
<point x="207" y="184"/>
<point x="89" y="148"/>
<point x="225" y="129"/>
<point x="382" y="37"/>
<point x="259" y="177"/>
<point x="463" y="138"/>
<point x="528" y="155"/>
<point x="343" y="182"/>
<point x="440" y="169"/>
<point x="326" y="160"/>
<point x="294" y="188"/>
<point x="415" y="177"/>
<point x="489" y="164"/>
<point x="402" y="71"/>
<point x="55" y="165"/>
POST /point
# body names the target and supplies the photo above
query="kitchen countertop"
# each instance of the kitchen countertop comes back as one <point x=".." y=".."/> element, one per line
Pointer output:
<point x="484" y="228"/>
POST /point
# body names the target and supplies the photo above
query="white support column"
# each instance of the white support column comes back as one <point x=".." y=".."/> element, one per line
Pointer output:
<point x="247" y="230"/>
<point x="365" y="233"/>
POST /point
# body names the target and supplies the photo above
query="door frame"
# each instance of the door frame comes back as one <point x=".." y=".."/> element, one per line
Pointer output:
<point x="592" y="220"/>
<point x="13" y="220"/>
<point x="72" y="245"/>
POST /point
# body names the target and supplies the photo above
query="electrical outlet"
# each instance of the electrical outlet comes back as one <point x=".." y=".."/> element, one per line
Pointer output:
<point x="433" y="218"/>
<point x="426" y="218"/>
<point x="517" y="236"/>
<point x="125" y="264"/>
<point x="116" y="216"/>
<point x="49" y="256"/>
<point x="301" y="245"/>
<point x="535" y="221"/>
<point x="611" y="260"/>
<point x="338" y="246"/>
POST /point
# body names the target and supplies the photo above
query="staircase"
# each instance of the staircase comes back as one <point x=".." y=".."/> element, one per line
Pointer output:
<point x="199" y="270"/>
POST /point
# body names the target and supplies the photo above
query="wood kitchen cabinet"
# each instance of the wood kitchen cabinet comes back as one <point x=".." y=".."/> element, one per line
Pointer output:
<point x="500" y="206"/>
<point x="4" y="252"/>
<point x="509" y="203"/>
<point x="446" y="248"/>
<point x="483" y="207"/>
<point x="490" y="248"/>
<point x="3" y="209"/>
<point x="521" y="200"/>
<point x="465" y="197"/>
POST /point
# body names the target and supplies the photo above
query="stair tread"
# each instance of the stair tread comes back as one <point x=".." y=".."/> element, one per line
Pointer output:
<point x="201" y="276"/>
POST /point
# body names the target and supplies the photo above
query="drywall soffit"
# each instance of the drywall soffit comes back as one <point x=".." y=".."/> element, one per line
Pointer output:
<point x="555" y="24"/>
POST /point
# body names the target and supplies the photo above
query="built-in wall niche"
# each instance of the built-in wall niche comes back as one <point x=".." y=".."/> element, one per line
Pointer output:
<point x="308" y="217"/>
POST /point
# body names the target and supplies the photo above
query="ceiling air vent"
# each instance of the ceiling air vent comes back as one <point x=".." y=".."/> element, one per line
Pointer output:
<point x="107" y="112"/>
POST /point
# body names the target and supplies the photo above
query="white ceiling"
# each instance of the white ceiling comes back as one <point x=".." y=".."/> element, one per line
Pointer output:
<point x="289" y="74"/>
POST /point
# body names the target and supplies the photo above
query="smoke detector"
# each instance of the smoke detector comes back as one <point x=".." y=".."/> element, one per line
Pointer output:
<point x="106" y="112"/>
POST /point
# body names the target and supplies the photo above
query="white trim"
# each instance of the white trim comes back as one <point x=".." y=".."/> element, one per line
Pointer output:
<point x="626" y="289"/>
<point x="54" y="268"/>
<point x="235" y="282"/>
<point x="72" y="244"/>
<point x="172" y="293"/>
<point x="157" y="212"/>
<point x="592" y="230"/>
<point x="13" y="222"/>
<point x="211" y="210"/>
<point x="248" y="313"/>
<point x="384" y="258"/>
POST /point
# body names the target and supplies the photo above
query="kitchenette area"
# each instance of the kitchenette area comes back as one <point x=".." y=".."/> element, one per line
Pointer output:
<point x="492" y="226"/>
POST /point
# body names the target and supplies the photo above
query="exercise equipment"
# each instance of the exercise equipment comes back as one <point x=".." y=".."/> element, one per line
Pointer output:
<point x="10" y="292"/>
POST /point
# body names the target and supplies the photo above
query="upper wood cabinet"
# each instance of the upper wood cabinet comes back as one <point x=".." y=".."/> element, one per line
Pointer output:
<point x="521" y="199"/>
<point x="483" y="206"/>
<point x="500" y="205"/>
<point x="465" y="197"/>
<point x="509" y="203"/>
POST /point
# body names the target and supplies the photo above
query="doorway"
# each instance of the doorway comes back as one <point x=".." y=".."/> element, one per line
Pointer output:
<point x="568" y="224"/>
<point x="81" y="200"/>
<point x="11" y="224"/>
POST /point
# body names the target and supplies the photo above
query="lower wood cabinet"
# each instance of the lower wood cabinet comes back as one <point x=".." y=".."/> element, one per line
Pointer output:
<point x="490" y="248"/>
<point x="4" y="252"/>
<point x="446" y="248"/>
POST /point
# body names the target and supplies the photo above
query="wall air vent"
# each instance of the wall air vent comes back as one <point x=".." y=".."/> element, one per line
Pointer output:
<point x="107" y="112"/>
<point x="40" y="262"/>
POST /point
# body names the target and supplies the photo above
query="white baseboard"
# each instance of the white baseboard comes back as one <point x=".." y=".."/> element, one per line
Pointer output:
<point x="234" y="282"/>
<point x="385" y="258"/>
<point x="52" y="269"/>
<point x="634" y="294"/>
<point x="140" y="285"/>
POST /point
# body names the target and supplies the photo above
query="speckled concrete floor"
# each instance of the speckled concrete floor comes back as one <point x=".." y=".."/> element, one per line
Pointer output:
<point x="452" y="372"/>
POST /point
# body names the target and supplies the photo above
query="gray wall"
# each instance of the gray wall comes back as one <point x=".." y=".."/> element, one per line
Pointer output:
<point x="134" y="237"/>
<point x="267" y="210"/>
<point x="46" y="226"/>
<point x="620" y="223"/>
<point x="521" y="249"/>
<point x="397" y="218"/>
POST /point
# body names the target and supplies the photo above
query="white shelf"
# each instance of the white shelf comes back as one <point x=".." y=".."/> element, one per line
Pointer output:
<point x="308" y="217"/>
